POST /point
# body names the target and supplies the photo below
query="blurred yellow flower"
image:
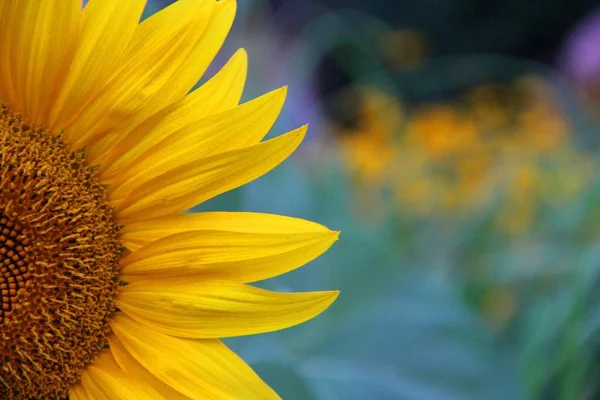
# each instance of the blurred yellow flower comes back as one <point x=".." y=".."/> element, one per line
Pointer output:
<point x="368" y="146"/>
<point x="442" y="131"/>
<point x="496" y="142"/>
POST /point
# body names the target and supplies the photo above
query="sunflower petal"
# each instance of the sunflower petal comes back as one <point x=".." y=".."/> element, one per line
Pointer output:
<point x="103" y="382"/>
<point x="9" y="29"/>
<point x="155" y="72"/>
<point x="107" y="358"/>
<point x="200" y="369"/>
<point x="235" y="256"/>
<point x="77" y="392"/>
<point x="242" y="126"/>
<point x="183" y="187"/>
<point x="222" y="92"/>
<point x="37" y="50"/>
<point x="179" y="84"/>
<point x="107" y="26"/>
<point x="204" y="309"/>
<point x="138" y="234"/>
<point x="132" y="367"/>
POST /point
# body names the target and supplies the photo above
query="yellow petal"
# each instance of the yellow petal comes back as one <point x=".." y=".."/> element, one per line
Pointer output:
<point x="222" y="92"/>
<point x="138" y="234"/>
<point x="183" y="187"/>
<point x="37" y="50"/>
<point x="77" y="392"/>
<point x="235" y="256"/>
<point x="236" y="128"/>
<point x="132" y="367"/>
<point x="200" y="369"/>
<point x="217" y="309"/>
<point x="107" y="26"/>
<point x="9" y="29"/>
<point x="107" y="358"/>
<point x="178" y="84"/>
<point x="154" y="72"/>
<point x="103" y="382"/>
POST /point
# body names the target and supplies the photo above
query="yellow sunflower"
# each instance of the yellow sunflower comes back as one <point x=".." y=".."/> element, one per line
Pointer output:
<point x="107" y="289"/>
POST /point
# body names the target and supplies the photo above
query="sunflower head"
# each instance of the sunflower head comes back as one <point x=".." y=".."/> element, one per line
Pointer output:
<point x="108" y="289"/>
<point x="59" y="254"/>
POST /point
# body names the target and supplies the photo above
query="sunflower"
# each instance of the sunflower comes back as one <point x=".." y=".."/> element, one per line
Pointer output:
<point x="108" y="289"/>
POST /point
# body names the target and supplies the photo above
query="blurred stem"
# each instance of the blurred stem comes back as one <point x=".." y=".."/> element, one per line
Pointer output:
<point x="573" y="384"/>
<point x="575" y="362"/>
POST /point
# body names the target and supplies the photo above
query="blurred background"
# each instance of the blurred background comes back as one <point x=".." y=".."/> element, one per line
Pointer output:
<point x="455" y="144"/>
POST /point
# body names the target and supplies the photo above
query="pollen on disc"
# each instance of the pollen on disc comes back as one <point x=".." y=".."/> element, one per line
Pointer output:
<point x="59" y="257"/>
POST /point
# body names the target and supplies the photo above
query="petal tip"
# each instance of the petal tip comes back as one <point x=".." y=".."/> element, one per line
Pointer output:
<point x="281" y="92"/>
<point x="333" y="236"/>
<point x="241" y="56"/>
<point x="332" y="295"/>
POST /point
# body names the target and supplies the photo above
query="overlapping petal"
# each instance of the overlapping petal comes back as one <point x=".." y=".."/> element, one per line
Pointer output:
<point x="132" y="367"/>
<point x="106" y="357"/>
<point x="107" y="27"/>
<point x="138" y="234"/>
<point x="223" y="255"/>
<point x="222" y="92"/>
<point x="155" y="55"/>
<point x="103" y="382"/>
<point x="215" y="309"/>
<point x="190" y="184"/>
<point x="77" y="392"/>
<point x="166" y="56"/>
<point x="200" y="369"/>
<point x="184" y="77"/>
<point x="241" y="126"/>
<point x="37" y="41"/>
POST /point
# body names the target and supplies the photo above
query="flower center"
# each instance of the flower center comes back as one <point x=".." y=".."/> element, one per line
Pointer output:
<point x="59" y="257"/>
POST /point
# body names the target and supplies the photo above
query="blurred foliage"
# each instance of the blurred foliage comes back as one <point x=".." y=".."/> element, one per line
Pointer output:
<point x="492" y="192"/>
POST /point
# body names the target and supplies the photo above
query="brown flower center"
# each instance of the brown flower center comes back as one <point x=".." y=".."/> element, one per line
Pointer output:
<point x="59" y="257"/>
